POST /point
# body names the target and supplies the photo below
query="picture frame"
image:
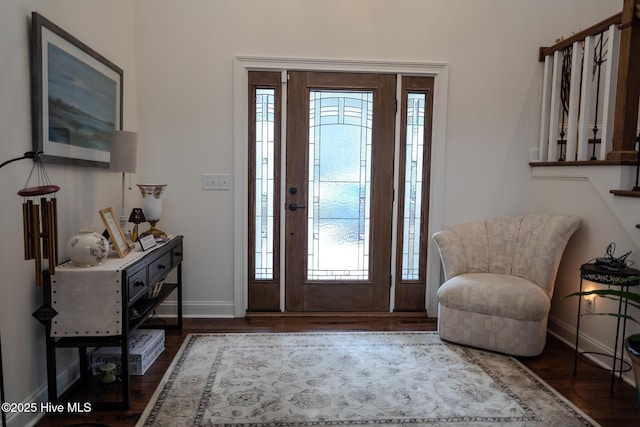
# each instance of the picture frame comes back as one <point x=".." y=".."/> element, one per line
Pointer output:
<point x="116" y="234"/>
<point x="76" y="97"/>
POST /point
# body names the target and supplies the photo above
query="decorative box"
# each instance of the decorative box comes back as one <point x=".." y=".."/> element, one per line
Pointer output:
<point x="145" y="345"/>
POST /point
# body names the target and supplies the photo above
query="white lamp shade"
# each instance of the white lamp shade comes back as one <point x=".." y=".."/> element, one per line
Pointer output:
<point x="152" y="200"/>
<point x="152" y="207"/>
<point x="124" y="151"/>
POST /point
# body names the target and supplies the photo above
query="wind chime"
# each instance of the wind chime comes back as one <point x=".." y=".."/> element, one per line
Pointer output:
<point x="40" y="220"/>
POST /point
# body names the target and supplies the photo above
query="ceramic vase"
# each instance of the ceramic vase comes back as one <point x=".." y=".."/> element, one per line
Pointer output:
<point x="632" y="345"/>
<point x="87" y="248"/>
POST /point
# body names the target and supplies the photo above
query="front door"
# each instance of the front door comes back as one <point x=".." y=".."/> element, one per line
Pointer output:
<point x="339" y="191"/>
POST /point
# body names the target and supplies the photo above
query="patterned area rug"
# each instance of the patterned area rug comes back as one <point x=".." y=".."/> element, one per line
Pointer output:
<point x="345" y="378"/>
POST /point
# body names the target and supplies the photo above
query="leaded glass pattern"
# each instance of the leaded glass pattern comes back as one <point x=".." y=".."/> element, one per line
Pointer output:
<point x="264" y="184"/>
<point x="413" y="184"/>
<point x="339" y="196"/>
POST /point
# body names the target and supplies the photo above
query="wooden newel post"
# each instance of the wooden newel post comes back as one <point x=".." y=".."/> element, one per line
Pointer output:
<point x="628" y="86"/>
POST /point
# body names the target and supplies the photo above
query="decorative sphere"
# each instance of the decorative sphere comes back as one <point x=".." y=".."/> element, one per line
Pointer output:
<point x="87" y="248"/>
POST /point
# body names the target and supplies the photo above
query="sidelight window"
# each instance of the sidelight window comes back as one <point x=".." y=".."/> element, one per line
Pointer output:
<point x="264" y="183"/>
<point x="413" y="184"/>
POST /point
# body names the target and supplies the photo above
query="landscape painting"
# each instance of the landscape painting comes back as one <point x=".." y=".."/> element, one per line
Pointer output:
<point x="77" y="98"/>
<point x="82" y="100"/>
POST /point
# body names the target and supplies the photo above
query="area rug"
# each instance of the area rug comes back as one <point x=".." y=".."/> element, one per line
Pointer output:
<point x="350" y="378"/>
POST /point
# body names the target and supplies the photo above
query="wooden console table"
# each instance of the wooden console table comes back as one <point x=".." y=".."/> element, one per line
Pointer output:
<point x="86" y="307"/>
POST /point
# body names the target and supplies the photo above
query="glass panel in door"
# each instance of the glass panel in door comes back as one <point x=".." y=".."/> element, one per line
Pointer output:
<point x="339" y="188"/>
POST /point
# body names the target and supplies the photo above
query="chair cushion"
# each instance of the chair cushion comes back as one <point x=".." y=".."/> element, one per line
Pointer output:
<point x="495" y="295"/>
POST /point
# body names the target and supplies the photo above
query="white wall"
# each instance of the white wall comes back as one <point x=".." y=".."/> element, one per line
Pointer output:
<point x="584" y="191"/>
<point x="185" y="52"/>
<point x="178" y="63"/>
<point x="107" y="27"/>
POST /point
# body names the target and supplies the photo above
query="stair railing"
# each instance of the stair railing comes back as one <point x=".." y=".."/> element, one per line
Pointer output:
<point x="579" y="93"/>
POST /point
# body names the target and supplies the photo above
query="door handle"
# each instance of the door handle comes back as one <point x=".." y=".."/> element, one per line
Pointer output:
<point x="294" y="207"/>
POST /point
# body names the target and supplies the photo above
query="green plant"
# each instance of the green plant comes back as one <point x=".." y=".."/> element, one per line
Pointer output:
<point x="633" y="298"/>
<point x="632" y="342"/>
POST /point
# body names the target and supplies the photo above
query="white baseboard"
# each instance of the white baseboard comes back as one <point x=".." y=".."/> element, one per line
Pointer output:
<point x="20" y="419"/>
<point x="207" y="309"/>
<point x="567" y="334"/>
<point x="41" y="396"/>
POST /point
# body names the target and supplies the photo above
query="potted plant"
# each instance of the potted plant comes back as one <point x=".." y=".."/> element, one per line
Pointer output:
<point x="631" y="342"/>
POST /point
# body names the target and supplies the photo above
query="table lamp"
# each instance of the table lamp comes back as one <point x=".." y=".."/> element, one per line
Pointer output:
<point x="136" y="217"/>
<point x="152" y="207"/>
<point x="124" y="149"/>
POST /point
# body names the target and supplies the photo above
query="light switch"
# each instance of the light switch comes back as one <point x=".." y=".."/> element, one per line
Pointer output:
<point x="216" y="181"/>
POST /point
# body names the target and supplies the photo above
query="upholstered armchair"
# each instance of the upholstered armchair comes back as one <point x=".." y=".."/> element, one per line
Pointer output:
<point x="499" y="280"/>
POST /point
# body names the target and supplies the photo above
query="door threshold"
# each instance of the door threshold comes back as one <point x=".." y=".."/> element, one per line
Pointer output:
<point x="333" y="314"/>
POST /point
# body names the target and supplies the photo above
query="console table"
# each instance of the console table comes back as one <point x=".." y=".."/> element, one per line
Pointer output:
<point x="86" y="307"/>
<point x="611" y="277"/>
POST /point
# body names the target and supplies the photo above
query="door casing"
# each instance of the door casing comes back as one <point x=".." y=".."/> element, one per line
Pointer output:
<point x="242" y="65"/>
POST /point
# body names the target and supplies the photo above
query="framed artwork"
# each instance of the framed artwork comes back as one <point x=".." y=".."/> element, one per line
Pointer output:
<point x="76" y="97"/>
<point x="118" y="239"/>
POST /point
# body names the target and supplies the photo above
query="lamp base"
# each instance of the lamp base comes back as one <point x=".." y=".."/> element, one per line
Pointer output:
<point x="154" y="231"/>
<point x="134" y="233"/>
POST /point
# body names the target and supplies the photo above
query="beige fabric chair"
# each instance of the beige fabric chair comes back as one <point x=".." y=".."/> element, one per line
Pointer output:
<point x="500" y="276"/>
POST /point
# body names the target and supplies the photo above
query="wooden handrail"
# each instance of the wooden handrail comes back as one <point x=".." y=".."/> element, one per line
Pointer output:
<point x="591" y="31"/>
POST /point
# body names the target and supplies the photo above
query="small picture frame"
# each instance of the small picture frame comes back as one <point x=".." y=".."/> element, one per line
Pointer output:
<point x="115" y="232"/>
<point x="147" y="242"/>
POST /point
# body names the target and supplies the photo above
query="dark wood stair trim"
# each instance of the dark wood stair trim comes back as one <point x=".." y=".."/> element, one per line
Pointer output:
<point x="625" y="193"/>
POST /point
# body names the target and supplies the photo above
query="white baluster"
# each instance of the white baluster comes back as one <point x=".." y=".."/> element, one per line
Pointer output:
<point x="611" y="80"/>
<point x="585" y="98"/>
<point x="574" y="102"/>
<point x="543" y="145"/>
<point x="556" y="105"/>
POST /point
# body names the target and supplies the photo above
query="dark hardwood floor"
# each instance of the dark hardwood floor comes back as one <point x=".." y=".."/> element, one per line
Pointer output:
<point x="589" y="389"/>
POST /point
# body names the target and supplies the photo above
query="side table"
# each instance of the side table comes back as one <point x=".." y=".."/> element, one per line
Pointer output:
<point x="611" y="277"/>
<point x="92" y="307"/>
